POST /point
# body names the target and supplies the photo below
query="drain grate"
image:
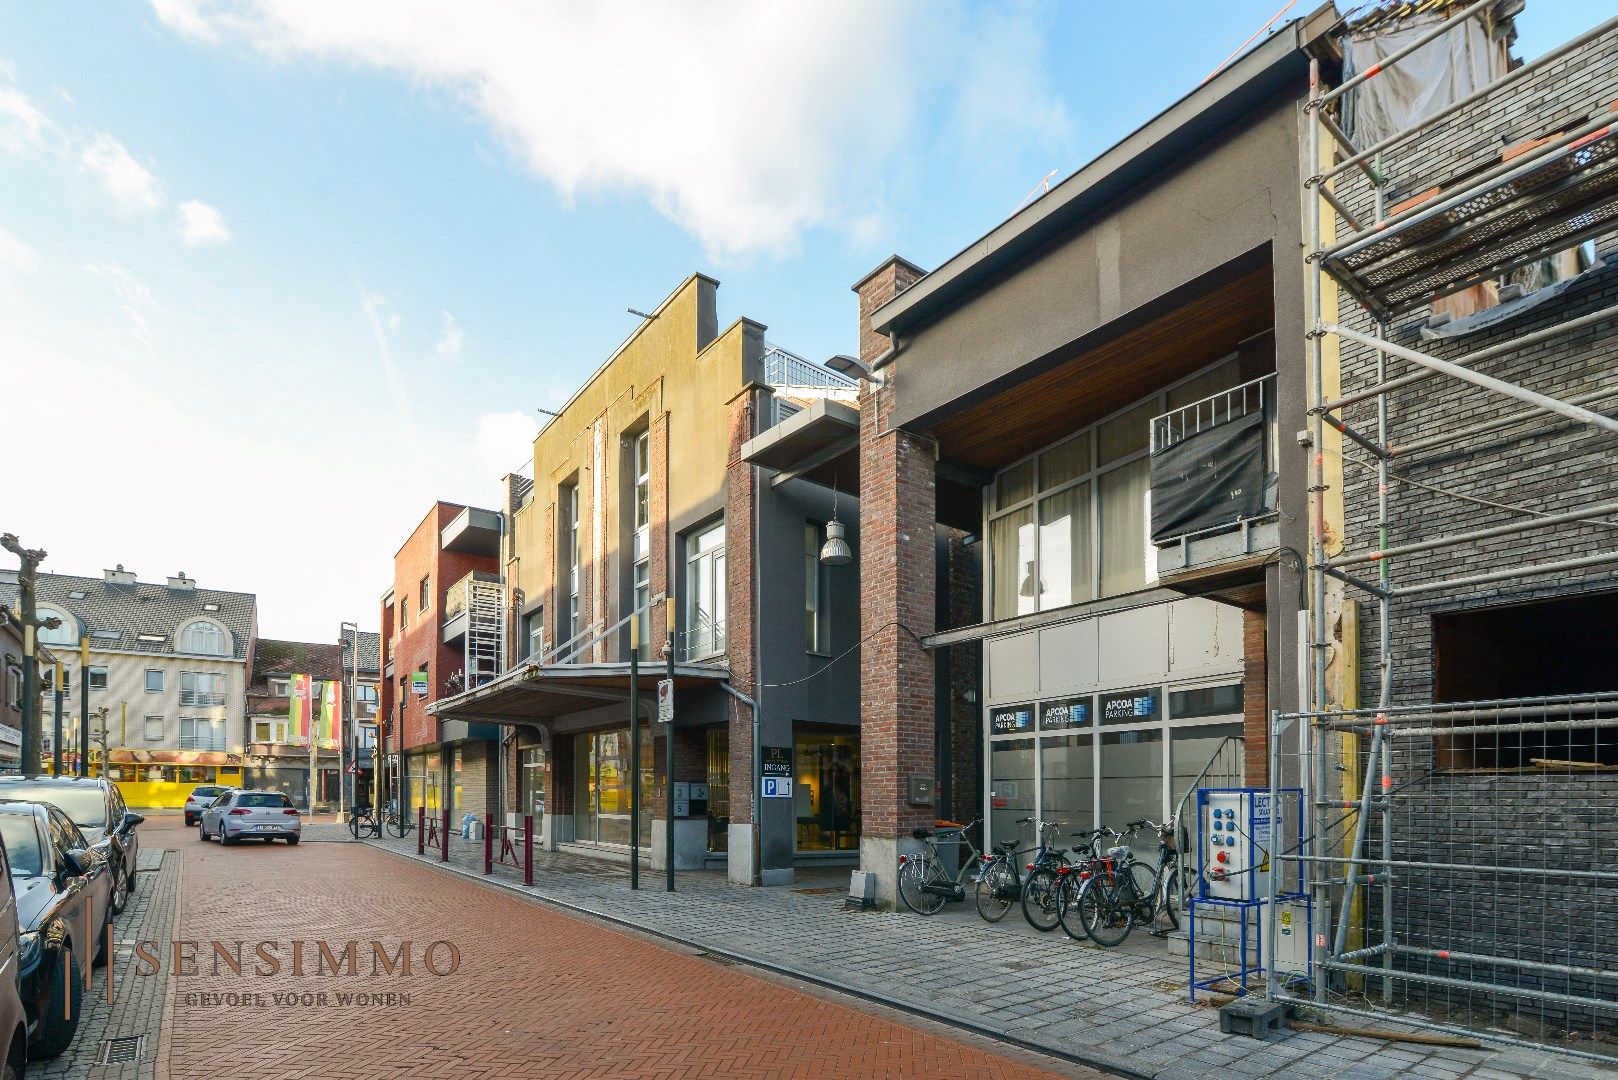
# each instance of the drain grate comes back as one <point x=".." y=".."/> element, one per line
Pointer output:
<point x="120" y="1050"/>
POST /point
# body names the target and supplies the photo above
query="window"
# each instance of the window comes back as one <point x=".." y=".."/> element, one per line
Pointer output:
<point x="705" y="593"/>
<point x="426" y="594"/>
<point x="280" y="687"/>
<point x="197" y="733"/>
<point x="98" y="678"/>
<point x="14" y="687"/>
<point x="404" y="614"/>
<point x="210" y="607"/>
<point x="271" y="731"/>
<point x="534" y="634"/>
<point x="76" y="594"/>
<point x="640" y="470"/>
<point x="153" y="729"/>
<point x="572" y="622"/>
<point x="66" y="634"/>
<point x="201" y="688"/>
<point x="151" y="639"/>
<point x="816" y="598"/>
<point x="204" y="639"/>
<point x="1071" y="523"/>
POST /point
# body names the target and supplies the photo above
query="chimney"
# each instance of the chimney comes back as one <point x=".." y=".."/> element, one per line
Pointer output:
<point x="182" y="583"/>
<point x="120" y="576"/>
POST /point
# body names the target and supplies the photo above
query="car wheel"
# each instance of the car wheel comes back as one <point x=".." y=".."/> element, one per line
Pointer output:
<point x="120" y="893"/>
<point x="224" y="836"/>
<point x="9" y="1072"/>
<point x="293" y="839"/>
<point x="131" y="879"/>
<point x="202" y="832"/>
<point x="100" y="957"/>
<point x="59" y="1020"/>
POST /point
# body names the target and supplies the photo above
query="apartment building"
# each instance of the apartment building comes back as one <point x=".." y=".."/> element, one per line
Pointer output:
<point x="442" y="631"/>
<point x="645" y="495"/>
<point x="167" y="678"/>
<point x="276" y="755"/>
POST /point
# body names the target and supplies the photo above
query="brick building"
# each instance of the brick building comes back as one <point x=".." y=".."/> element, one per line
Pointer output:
<point x="664" y="479"/>
<point x="276" y="758"/>
<point x="437" y="638"/>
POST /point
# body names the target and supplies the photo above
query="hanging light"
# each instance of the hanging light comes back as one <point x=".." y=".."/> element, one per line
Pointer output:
<point x="835" y="551"/>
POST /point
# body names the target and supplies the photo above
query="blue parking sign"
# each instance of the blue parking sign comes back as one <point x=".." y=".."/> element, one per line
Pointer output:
<point x="777" y="787"/>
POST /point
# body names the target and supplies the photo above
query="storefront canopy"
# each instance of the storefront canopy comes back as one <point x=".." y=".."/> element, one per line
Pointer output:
<point x="174" y="757"/>
<point x="534" y="692"/>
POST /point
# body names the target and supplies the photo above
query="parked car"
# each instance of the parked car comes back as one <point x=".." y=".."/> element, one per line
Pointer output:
<point x="13" y="1017"/>
<point x="97" y="807"/>
<point x="199" y="800"/>
<point x="62" y="887"/>
<point x="241" y="815"/>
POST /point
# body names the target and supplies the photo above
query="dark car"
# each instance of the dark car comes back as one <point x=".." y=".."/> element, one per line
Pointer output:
<point x="63" y="891"/>
<point x="13" y="1017"/>
<point x="97" y="808"/>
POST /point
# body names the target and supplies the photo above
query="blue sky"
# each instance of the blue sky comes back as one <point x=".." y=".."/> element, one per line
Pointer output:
<point x="276" y="274"/>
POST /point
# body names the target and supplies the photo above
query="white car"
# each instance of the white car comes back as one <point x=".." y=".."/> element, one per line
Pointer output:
<point x="251" y="815"/>
<point x="198" y="800"/>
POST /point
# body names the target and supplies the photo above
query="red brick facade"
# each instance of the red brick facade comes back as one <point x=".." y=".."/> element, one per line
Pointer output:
<point x="897" y="593"/>
<point x="739" y="600"/>
<point x="421" y="641"/>
<point x="1255" y="697"/>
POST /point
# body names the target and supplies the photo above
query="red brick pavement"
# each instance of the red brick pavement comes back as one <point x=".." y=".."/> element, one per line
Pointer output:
<point x="537" y="993"/>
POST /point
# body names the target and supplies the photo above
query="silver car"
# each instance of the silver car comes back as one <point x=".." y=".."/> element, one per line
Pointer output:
<point x="246" y="815"/>
<point x="198" y="800"/>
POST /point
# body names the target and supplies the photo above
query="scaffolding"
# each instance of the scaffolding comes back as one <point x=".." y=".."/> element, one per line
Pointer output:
<point x="1363" y="769"/>
<point x="485" y="630"/>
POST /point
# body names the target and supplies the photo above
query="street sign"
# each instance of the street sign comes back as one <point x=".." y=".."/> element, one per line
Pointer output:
<point x="353" y="768"/>
<point x="665" y="700"/>
<point x="776" y="761"/>
<point x="778" y="787"/>
<point x="418" y="683"/>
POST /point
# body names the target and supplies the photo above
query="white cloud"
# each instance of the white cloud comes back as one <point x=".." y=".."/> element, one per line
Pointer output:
<point x="504" y="443"/>
<point x="1003" y="103"/>
<point x="22" y="126"/>
<point x="202" y="224"/>
<point x="135" y="300"/>
<point x="14" y="254"/>
<point x="125" y="179"/>
<point x="452" y="340"/>
<point x="746" y="124"/>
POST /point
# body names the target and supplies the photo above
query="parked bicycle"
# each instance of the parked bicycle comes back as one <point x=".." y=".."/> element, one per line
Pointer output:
<point x="1090" y="860"/>
<point x="397" y="823"/>
<point x="362" y="821"/>
<point x="925" y="883"/>
<point x="1042" y="890"/>
<point x="1110" y="904"/>
<point x="1000" y="882"/>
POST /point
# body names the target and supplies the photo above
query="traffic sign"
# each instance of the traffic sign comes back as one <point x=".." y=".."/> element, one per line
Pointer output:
<point x="665" y="701"/>
<point x="777" y="787"/>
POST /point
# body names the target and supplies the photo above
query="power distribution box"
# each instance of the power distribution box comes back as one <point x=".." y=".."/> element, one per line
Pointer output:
<point x="1239" y="832"/>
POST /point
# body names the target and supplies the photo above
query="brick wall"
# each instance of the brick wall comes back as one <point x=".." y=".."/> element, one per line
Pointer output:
<point x="1255" y="700"/>
<point x="739" y="587"/>
<point x="898" y="581"/>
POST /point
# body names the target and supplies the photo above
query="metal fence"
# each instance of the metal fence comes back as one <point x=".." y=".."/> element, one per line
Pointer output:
<point x="1459" y="859"/>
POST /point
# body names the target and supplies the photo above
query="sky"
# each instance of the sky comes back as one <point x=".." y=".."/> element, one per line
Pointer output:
<point x="276" y="274"/>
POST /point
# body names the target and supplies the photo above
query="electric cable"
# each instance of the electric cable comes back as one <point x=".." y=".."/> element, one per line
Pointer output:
<point x="851" y="649"/>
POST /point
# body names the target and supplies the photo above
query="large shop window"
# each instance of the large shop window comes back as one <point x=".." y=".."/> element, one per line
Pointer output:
<point x="602" y="787"/>
<point x="1099" y="760"/>
<point x="826" y="790"/>
<point x="531" y="773"/>
<point x="1071" y="522"/>
<point x="718" y="790"/>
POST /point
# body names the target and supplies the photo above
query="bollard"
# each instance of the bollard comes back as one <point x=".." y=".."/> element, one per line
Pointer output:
<point x="421" y="830"/>
<point x="488" y="844"/>
<point x="528" y="849"/>
<point x="443" y="852"/>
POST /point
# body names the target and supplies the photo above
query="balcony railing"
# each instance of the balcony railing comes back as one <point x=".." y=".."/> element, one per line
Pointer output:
<point x="204" y="742"/>
<point x="201" y="698"/>
<point x="704" y="642"/>
<point x="455" y="596"/>
<point x="1213" y="410"/>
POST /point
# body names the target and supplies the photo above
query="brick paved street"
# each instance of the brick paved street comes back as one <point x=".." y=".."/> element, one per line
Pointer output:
<point x="537" y="992"/>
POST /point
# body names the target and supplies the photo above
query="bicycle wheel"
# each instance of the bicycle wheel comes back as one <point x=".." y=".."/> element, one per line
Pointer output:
<point x="997" y="888"/>
<point x="1171" y="897"/>
<point x="918" y="872"/>
<point x="1148" y="897"/>
<point x="1106" y="913"/>
<point x="1067" y="907"/>
<point x="401" y="826"/>
<point x="1039" y="898"/>
<point x="354" y="825"/>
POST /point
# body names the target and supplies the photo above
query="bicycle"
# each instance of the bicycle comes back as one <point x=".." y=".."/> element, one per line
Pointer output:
<point x="362" y="821"/>
<point x="924" y="885"/>
<point x="1092" y="862"/>
<point x="1042" y="890"/>
<point x="397" y="823"/>
<point x="1109" y="906"/>
<point x="999" y="883"/>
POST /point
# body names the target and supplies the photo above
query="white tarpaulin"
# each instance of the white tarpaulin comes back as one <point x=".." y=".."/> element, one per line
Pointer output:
<point x="1432" y="77"/>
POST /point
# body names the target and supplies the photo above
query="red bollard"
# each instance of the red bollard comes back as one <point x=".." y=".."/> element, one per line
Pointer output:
<point x="443" y="854"/>
<point x="488" y="844"/>
<point x="528" y="849"/>
<point x="421" y="830"/>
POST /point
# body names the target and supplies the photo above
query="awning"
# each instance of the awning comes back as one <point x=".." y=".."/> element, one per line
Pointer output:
<point x="173" y="757"/>
<point x="820" y="443"/>
<point x="534" y="692"/>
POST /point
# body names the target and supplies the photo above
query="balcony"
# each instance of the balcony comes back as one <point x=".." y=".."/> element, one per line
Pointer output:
<point x="201" y="699"/>
<point x="204" y="742"/>
<point x="459" y="599"/>
<point x="1213" y="493"/>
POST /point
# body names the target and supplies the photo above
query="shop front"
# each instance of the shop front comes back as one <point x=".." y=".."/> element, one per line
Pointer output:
<point x="161" y="779"/>
<point x="826" y="789"/>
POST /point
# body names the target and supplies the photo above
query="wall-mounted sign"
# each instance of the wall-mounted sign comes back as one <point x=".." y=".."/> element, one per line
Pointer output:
<point x="1010" y="721"/>
<point x="777" y="787"/>
<point x="1130" y="707"/>
<point x="418" y="683"/>
<point x="1072" y="713"/>
<point x="776" y="761"/>
<point x="665" y="700"/>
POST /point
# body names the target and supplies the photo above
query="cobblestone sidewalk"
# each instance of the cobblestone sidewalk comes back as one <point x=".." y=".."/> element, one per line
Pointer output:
<point x="1123" y="1011"/>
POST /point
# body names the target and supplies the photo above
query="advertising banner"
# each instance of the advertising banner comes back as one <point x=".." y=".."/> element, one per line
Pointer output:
<point x="298" y="707"/>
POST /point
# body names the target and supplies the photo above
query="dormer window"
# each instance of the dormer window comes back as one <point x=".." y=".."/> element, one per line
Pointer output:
<point x="204" y="639"/>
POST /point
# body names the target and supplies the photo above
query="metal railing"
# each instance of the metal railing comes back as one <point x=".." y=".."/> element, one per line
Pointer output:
<point x="204" y="742"/>
<point x="455" y="597"/>
<point x="1252" y="396"/>
<point x="704" y="642"/>
<point x="201" y="698"/>
<point x="783" y="368"/>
